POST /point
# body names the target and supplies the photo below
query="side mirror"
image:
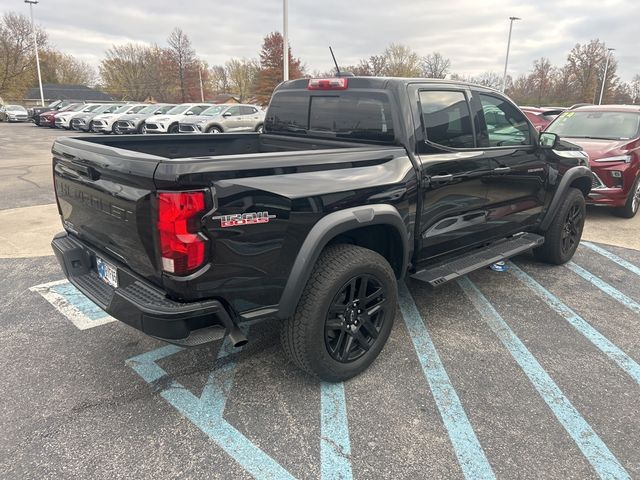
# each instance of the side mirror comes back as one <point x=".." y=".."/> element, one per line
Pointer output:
<point x="226" y="114"/>
<point x="548" y="140"/>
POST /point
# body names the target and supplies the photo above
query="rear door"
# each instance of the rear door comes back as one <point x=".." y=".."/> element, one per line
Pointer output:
<point x="454" y="170"/>
<point x="249" y="117"/>
<point x="516" y="183"/>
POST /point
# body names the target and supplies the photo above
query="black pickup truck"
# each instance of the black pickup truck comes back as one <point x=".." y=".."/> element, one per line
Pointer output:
<point x="355" y="183"/>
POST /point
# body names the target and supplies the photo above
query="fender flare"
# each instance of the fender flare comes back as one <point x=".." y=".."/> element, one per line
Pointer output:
<point x="565" y="183"/>
<point x="327" y="228"/>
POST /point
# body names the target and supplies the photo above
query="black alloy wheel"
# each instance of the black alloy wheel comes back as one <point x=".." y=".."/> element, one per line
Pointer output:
<point x="355" y="318"/>
<point x="572" y="229"/>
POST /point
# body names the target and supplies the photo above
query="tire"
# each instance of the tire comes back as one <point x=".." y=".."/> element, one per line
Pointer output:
<point x="214" y="130"/>
<point x="260" y="128"/>
<point x="563" y="236"/>
<point x="91" y="128"/>
<point x="173" y="128"/>
<point x="308" y="337"/>
<point x="143" y="129"/>
<point x="115" y="130"/>
<point x="633" y="202"/>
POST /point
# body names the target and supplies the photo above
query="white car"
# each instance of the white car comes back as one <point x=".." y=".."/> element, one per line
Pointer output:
<point x="168" y="122"/>
<point x="105" y="122"/>
<point x="63" y="120"/>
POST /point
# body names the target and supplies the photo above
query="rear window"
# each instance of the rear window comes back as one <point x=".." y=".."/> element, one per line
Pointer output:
<point x="352" y="115"/>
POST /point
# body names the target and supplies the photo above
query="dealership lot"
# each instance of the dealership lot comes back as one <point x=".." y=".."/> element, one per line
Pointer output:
<point x="527" y="373"/>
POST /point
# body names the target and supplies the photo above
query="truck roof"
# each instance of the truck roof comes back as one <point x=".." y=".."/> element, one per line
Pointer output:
<point x="382" y="83"/>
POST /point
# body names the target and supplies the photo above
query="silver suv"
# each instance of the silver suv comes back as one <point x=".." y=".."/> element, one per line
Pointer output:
<point x="225" y="118"/>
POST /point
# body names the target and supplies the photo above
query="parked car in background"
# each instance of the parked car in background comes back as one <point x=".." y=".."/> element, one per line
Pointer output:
<point x="610" y="134"/>
<point x="540" y="116"/>
<point x="168" y="122"/>
<point x="105" y="122"/>
<point x="34" y="112"/>
<point x="84" y="121"/>
<point x="225" y="118"/>
<point x="63" y="120"/>
<point x="13" y="113"/>
<point x="134" y="122"/>
<point x="47" y="119"/>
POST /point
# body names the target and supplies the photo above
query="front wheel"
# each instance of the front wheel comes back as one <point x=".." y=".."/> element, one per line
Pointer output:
<point x="214" y="130"/>
<point x="563" y="236"/>
<point x="345" y="314"/>
<point x="174" y="128"/>
<point x="633" y="202"/>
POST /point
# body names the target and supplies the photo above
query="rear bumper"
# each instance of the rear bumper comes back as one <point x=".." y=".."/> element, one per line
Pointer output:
<point x="140" y="304"/>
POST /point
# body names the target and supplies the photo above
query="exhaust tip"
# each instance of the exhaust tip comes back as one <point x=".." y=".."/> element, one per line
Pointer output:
<point x="237" y="337"/>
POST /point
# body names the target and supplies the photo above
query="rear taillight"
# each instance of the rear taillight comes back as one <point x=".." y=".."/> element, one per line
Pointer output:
<point x="327" y="84"/>
<point x="182" y="247"/>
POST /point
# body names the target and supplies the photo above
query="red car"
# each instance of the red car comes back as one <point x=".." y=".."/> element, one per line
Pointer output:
<point x="541" y="117"/>
<point x="610" y="134"/>
<point x="48" y="119"/>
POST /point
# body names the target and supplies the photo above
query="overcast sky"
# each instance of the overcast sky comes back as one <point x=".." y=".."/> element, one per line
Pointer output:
<point x="472" y="33"/>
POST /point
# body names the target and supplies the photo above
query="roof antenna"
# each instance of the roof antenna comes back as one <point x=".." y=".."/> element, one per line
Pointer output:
<point x="334" y="61"/>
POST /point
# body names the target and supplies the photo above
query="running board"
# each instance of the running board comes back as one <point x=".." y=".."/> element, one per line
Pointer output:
<point x="446" y="271"/>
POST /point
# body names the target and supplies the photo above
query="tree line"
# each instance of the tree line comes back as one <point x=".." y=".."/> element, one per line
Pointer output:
<point x="174" y="72"/>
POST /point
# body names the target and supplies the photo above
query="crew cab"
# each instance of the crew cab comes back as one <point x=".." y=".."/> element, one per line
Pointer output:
<point x="355" y="183"/>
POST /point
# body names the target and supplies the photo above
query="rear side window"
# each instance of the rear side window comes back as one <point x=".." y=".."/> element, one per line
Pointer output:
<point x="505" y="124"/>
<point x="351" y="114"/>
<point x="247" y="110"/>
<point x="447" y="118"/>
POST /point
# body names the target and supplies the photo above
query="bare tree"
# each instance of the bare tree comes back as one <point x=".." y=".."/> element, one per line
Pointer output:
<point x="242" y="75"/>
<point x="401" y="61"/>
<point x="17" y="59"/>
<point x="541" y="79"/>
<point x="584" y="62"/>
<point x="218" y="79"/>
<point x="183" y="55"/>
<point x="635" y="89"/>
<point x="58" y="67"/>
<point x="435" y="65"/>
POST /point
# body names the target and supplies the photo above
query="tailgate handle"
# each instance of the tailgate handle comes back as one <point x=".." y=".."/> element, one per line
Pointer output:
<point x="90" y="172"/>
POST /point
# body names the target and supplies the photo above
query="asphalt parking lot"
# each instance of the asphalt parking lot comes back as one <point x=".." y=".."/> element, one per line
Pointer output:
<point x="529" y="373"/>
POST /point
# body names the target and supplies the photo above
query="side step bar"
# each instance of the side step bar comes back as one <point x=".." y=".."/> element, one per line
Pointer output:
<point x="457" y="267"/>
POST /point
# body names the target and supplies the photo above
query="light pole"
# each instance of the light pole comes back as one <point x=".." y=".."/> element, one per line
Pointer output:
<point x="506" y="60"/>
<point x="35" y="46"/>
<point x="285" y="39"/>
<point x="604" y="77"/>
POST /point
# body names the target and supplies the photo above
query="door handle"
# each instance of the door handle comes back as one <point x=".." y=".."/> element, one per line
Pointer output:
<point x="502" y="170"/>
<point x="441" y="178"/>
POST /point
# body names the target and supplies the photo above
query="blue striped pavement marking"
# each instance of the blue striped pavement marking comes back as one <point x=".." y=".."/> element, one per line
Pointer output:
<point x="207" y="411"/>
<point x="623" y="360"/>
<point x="335" y="447"/>
<point x="468" y="450"/>
<point x="593" y="448"/>
<point x="605" y="287"/>
<point x="612" y="256"/>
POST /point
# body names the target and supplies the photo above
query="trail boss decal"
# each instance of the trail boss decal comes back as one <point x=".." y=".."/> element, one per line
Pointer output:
<point x="237" y="219"/>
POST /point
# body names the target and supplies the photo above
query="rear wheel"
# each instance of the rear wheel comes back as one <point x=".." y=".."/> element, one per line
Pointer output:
<point x="633" y="202"/>
<point x="260" y="128"/>
<point x="345" y="314"/>
<point x="563" y="236"/>
<point x="214" y="130"/>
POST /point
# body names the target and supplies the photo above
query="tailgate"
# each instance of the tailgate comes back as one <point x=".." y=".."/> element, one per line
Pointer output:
<point x="104" y="197"/>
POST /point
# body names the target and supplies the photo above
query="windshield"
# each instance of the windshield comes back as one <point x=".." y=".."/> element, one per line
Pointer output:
<point x="91" y="108"/>
<point x="215" y="110"/>
<point x="54" y="104"/>
<point x="76" y="108"/>
<point x="16" y="108"/>
<point x="597" y="124"/>
<point x="107" y="108"/>
<point x="124" y="109"/>
<point x="178" y="109"/>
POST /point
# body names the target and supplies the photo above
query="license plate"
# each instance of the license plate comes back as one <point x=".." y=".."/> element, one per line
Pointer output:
<point x="107" y="272"/>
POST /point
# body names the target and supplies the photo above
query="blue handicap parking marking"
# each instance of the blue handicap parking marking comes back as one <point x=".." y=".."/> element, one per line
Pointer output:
<point x="605" y="287"/>
<point x="73" y="304"/>
<point x="623" y="360"/>
<point x="593" y="448"/>
<point x="469" y="452"/>
<point x="613" y="257"/>
<point x="207" y="413"/>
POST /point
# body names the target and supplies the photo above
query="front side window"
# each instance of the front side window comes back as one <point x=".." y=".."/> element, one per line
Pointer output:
<point x="505" y="124"/>
<point x="233" y="111"/>
<point x="447" y="118"/>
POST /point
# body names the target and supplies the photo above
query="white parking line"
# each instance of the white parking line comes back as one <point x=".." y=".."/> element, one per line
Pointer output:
<point x="74" y="305"/>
